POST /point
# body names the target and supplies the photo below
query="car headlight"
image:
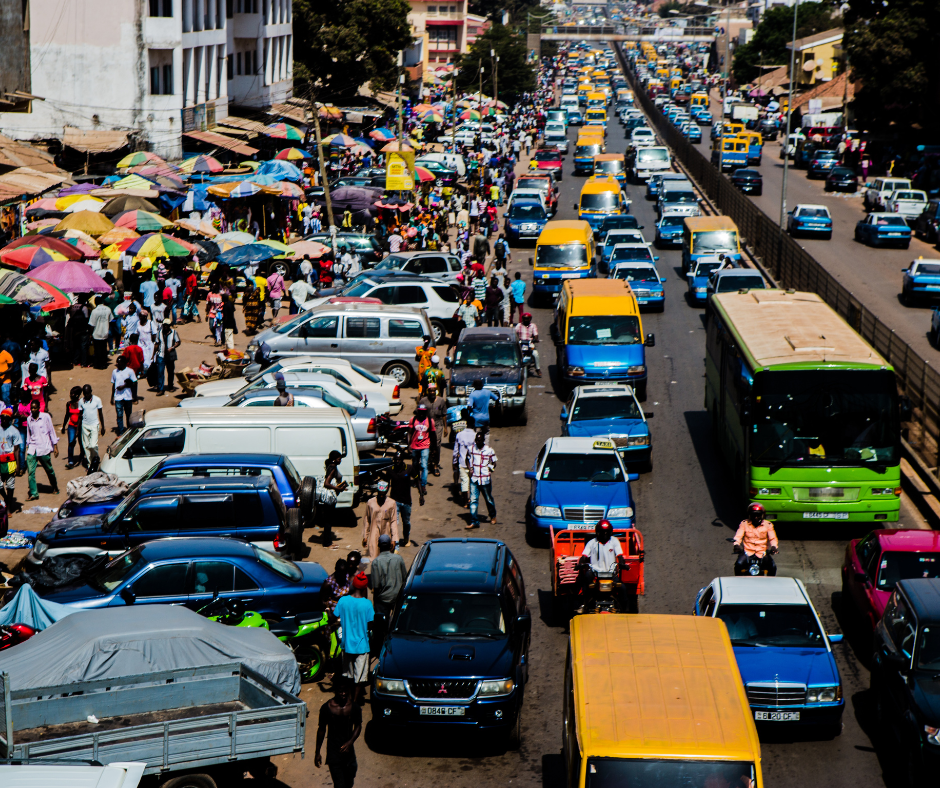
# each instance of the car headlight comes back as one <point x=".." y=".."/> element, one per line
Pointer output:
<point x="460" y="390"/>
<point x="252" y="348"/>
<point x="497" y="687"/>
<point x="620" y="511"/>
<point x="932" y="734"/>
<point x="575" y="371"/>
<point x="886" y="491"/>
<point x="65" y="510"/>
<point x="824" y="694"/>
<point x="637" y="370"/>
<point x="390" y="686"/>
<point x="547" y="511"/>
<point x="39" y="549"/>
<point x="639" y="440"/>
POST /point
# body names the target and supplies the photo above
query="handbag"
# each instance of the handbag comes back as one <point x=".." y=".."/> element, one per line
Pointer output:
<point x="7" y="464"/>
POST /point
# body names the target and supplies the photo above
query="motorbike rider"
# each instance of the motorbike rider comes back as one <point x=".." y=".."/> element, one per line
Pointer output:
<point x="755" y="536"/>
<point x="601" y="555"/>
<point x="527" y="331"/>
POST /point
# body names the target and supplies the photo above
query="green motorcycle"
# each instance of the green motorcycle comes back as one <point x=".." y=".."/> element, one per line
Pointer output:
<point x="310" y="637"/>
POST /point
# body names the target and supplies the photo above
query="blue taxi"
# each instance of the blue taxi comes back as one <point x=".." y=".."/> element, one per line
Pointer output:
<point x="575" y="483"/>
<point x="697" y="278"/>
<point x="921" y="281"/>
<point x="807" y="219"/>
<point x="610" y="410"/>
<point x="882" y="228"/>
<point x="669" y="230"/>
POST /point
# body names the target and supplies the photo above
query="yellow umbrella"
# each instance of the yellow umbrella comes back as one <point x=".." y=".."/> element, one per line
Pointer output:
<point x="89" y="222"/>
<point x="281" y="247"/>
<point x="64" y="202"/>
<point x="117" y="234"/>
<point x="112" y="251"/>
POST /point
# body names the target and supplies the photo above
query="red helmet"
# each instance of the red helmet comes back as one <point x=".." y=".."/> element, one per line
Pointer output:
<point x="755" y="508"/>
<point x="604" y="528"/>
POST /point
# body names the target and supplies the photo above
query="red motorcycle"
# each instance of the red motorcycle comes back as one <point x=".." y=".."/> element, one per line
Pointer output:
<point x="14" y="634"/>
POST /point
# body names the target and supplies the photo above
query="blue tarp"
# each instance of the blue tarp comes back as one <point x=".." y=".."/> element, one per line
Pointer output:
<point x="30" y="609"/>
<point x="279" y="170"/>
<point x="240" y="256"/>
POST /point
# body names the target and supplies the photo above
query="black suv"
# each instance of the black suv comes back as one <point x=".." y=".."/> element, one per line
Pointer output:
<point x="494" y="356"/>
<point x="905" y="676"/>
<point x="927" y="225"/>
<point x="456" y="652"/>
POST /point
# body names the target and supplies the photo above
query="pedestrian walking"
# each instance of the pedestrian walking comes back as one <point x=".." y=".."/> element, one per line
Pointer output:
<point x="329" y="488"/>
<point x="10" y="459"/>
<point x="100" y="322"/>
<point x="167" y="343"/>
<point x="229" y="326"/>
<point x="387" y="576"/>
<point x="379" y="519"/>
<point x="421" y="432"/>
<point x="400" y="481"/>
<point x="463" y="442"/>
<point x="437" y="410"/>
<point x="92" y="426"/>
<point x="479" y="404"/>
<point x="340" y="723"/>
<point x="517" y="288"/>
<point x="41" y="441"/>
<point x="355" y="613"/>
<point x="481" y="460"/>
<point x="122" y="393"/>
<point x="71" y="426"/>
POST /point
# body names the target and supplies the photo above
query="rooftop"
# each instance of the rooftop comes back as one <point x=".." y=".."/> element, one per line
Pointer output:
<point x="825" y="37"/>
<point x="766" y="591"/>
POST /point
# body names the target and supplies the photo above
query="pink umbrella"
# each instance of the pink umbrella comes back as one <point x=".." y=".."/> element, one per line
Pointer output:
<point x="70" y="277"/>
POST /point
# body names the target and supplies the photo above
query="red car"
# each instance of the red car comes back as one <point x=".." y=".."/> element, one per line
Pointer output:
<point x="543" y="181"/>
<point x="876" y="562"/>
<point x="548" y="160"/>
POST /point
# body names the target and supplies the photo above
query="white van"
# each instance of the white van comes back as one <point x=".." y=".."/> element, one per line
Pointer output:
<point x="37" y="774"/>
<point x="453" y="160"/>
<point x="305" y="435"/>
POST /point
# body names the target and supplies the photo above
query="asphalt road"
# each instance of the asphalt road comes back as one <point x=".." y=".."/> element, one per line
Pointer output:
<point x="685" y="510"/>
<point x="873" y="275"/>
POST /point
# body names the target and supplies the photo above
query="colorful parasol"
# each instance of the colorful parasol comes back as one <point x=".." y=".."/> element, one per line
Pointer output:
<point x="157" y="245"/>
<point x="432" y="117"/>
<point x="142" y="221"/>
<point x="135" y="181"/>
<point x="469" y="114"/>
<point x="284" y="131"/>
<point x="63" y="203"/>
<point x="29" y="256"/>
<point x="338" y="141"/>
<point x="48" y="242"/>
<point x="137" y="158"/>
<point x="16" y="288"/>
<point x="89" y="222"/>
<point x="393" y="147"/>
<point x="201" y="164"/>
<point x="293" y="154"/>
<point x="236" y="236"/>
<point x="383" y="135"/>
<point x="309" y="249"/>
<point x="118" y="234"/>
<point x="280" y="248"/>
<point x="59" y="300"/>
<point x="198" y="226"/>
<point x="289" y="189"/>
<point x="126" y="202"/>
<point x="424" y="175"/>
<point x="70" y="277"/>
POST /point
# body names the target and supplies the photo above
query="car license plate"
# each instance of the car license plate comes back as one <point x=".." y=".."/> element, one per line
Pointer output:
<point x="581" y="527"/>
<point x="825" y="515"/>
<point x="895" y="235"/>
<point x="442" y="711"/>
<point x="777" y="716"/>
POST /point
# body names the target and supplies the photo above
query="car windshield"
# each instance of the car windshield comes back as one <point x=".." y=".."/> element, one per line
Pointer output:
<point x="890" y="221"/>
<point x="813" y="213"/>
<point x="547" y="155"/>
<point x="588" y="151"/>
<point x="487" y="354"/>
<point x="392" y="261"/>
<point x="727" y="284"/>
<point x="357" y="289"/>
<point x="604" y="330"/>
<point x="520" y="210"/>
<point x="772" y="625"/>
<point x="366" y="374"/>
<point x="572" y="255"/>
<point x="532" y="183"/>
<point x="675" y="198"/>
<point x="600" y="201"/>
<point x="446" y="615"/>
<point x="593" y="467"/>
<point x="928" y="649"/>
<point x="929" y="269"/>
<point x="605" y="408"/>
<point x="711" y="241"/>
<point x="825" y="417"/>
<point x="841" y="172"/>
<point x="652" y="156"/>
<point x="895" y="565"/>
<point x="620" y="237"/>
<point x="625" y="222"/>
<point x="632" y="253"/>
<point x="705" y="269"/>
<point x="281" y="566"/>
<point x="112" y="574"/>
<point x="635" y="274"/>
<point x="919" y="196"/>
<point x="672" y="221"/>
<point x="609" y="166"/>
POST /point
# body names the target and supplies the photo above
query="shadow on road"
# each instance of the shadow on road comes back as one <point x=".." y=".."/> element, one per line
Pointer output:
<point x="714" y="471"/>
<point x="553" y="771"/>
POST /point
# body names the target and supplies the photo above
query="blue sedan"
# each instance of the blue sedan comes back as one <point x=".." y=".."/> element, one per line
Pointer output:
<point x="575" y="483"/>
<point x="524" y="221"/>
<point x="189" y="572"/>
<point x="921" y="281"/>
<point x="810" y="220"/>
<point x="784" y="654"/>
<point x="698" y="277"/>
<point x="703" y="117"/>
<point x="610" y="411"/>
<point x="883" y="229"/>
<point x="694" y="133"/>
<point x="669" y="231"/>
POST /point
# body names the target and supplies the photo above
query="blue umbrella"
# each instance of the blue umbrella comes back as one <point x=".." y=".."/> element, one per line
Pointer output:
<point x="240" y="256"/>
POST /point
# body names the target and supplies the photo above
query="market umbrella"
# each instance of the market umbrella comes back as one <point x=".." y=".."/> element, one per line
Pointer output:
<point x="331" y="112"/>
<point x="117" y="234"/>
<point x="383" y="135"/>
<point x="127" y="202"/>
<point x="289" y="189"/>
<point x="338" y="141"/>
<point x="422" y="107"/>
<point x="87" y="245"/>
<point x="498" y="104"/>
<point x="309" y="249"/>
<point x="243" y="255"/>
<point x="424" y="174"/>
<point x="78" y="188"/>
<point x="142" y="221"/>
<point x="201" y="164"/>
<point x="394" y="203"/>
<point x="355" y="198"/>
<point x="198" y="226"/>
<point x="136" y="158"/>
<point x="157" y="245"/>
<point x="208" y="250"/>
<point x="393" y="147"/>
<point x="59" y="300"/>
<point x="87" y="204"/>
<point x="44" y="204"/>
<point x="469" y="114"/>
<point x="48" y="242"/>
<point x="284" y="131"/>
<point x="294" y="154"/>
<point x="40" y="223"/>
<point x="87" y="221"/>
<point x="117" y="248"/>
<point x="64" y="203"/>
<point x="432" y="117"/>
<point x="236" y="236"/>
<point x="16" y="288"/>
<point x="70" y="277"/>
<point x="279" y="247"/>
<point x="251" y="165"/>
<point x="29" y="256"/>
<point x="135" y="181"/>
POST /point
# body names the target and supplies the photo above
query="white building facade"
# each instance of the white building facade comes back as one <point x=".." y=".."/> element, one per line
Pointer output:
<point x="153" y="68"/>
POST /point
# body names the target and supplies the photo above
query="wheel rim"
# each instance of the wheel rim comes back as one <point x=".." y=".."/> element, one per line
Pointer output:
<point x="399" y="373"/>
<point x="438" y="332"/>
<point x="280" y="268"/>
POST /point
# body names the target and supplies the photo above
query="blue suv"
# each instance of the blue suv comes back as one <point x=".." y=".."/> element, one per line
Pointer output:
<point x="456" y="653"/>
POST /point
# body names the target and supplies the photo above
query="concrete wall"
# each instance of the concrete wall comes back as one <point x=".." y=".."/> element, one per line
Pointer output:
<point x="14" y="44"/>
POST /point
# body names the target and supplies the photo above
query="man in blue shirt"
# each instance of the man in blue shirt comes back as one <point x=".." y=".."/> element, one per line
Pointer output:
<point x="517" y="289"/>
<point x="479" y="404"/>
<point x="355" y="613"/>
<point x="148" y="289"/>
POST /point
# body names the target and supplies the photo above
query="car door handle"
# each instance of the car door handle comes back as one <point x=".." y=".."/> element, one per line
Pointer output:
<point x="334" y="344"/>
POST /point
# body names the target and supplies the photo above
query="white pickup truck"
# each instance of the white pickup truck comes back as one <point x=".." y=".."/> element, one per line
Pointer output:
<point x="909" y="203"/>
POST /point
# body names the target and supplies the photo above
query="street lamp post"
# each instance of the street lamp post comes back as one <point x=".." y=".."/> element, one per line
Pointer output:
<point x="786" y="138"/>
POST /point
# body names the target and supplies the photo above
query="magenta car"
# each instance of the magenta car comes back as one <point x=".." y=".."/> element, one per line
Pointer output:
<point x="875" y="563"/>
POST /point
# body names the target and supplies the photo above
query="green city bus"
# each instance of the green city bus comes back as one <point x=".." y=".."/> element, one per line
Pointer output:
<point x="802" y="408"/>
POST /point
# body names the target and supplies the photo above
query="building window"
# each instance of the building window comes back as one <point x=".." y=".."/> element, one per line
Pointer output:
<point x="161" y="7"/>
<point x="443" y="37"/>
<point x="432" y="10"/>
<point x="230" y="67"/>
<point x="230" y="8"/>
<point x="161" y="72"/>
<point x="238" y="61"/>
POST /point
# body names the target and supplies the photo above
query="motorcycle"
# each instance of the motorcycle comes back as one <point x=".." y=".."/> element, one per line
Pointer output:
<point x="526" y="346"/>
<point x="392" y="434"/>
<point x="370" y="474"/>
<point x="14" y="634"/>
<point x="752" y="565"/>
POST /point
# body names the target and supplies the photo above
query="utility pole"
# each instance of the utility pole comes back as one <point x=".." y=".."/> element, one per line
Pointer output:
<point x="786" y="138"/>
<point x="724" y="103"/>
<point x="494" y="60"/>
<point x="480" y="132"/>
<point x="314" y="112"/>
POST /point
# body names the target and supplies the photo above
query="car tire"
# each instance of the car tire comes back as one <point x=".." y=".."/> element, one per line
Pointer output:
<point x="280" y="267"/>
<point x="307" y="497"/>
<point x="294" y="532"/>
<point x="400" y="371"/>
<point x="189" y="781"/>
<point x="439" y="330"/>
<point x="514" y="740"/>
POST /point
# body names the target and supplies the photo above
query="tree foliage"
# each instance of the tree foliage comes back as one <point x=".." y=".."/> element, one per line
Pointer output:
<point x="341" y="44"/>
<point x="768" y="46"/>
<point x="514" y="75"/>
<point x="892" y="53"/>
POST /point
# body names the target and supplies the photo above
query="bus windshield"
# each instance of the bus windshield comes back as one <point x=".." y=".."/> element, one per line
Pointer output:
<point x="563" y="256"/>
<point x="610" y="165"/>
<point x="604" y="330"/>
<point x="600" y="201"/>
<point x="712" y="241"/>
<point x="587" y="150"/>
<point x="646" y="773"/>
<point x="825" y="417"/>
<point x="652" y="156"/>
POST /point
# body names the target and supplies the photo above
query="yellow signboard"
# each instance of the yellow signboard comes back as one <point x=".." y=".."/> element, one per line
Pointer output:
<point x="399" y="171"/>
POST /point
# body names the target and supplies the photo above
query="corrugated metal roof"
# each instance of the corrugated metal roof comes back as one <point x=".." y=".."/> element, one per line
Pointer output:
<point x="20" y="154"/>
<point x="26" y="180"/>
<point x="100" y="141"/>
<point x="236" y="122"/>
<point x="221" y="141"/>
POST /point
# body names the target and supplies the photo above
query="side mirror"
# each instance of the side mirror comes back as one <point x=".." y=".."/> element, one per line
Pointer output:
<point x="531" y="261"/>
<point x="655" y="259"/>
<point x="524" y="622"/>
<point x="633" y="477"/>
<point x="834" y="638"/>
<point x="650" y="340"/>
<point x="861" y="577"/>
<point x="640" y="227"/>
<point x="564" y="414"/>
<point x="575" y="206"/>
<point x="648" y="414"/>
<point x="531" y="475"/>
<point x="128" y="596"/>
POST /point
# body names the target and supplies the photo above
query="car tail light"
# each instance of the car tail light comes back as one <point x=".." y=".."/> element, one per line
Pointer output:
<point x="371" y="428"/>
<point x="896" y="208"/>
<point x="396" y="394"/>
<point x="278" y="545"/>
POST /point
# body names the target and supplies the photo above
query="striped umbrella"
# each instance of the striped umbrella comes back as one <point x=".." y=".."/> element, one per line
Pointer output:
<point x="201" y="164"/>
<point x="137" y="158"/>
<point x="281" y="248"/>
<point x="198" y="226"/>
<point x="432" y="117"/>
<point x="15" y="288"/>
<point x="63" y="203"/>
<point x="134" y="181"/>
<point x="309" y="248"/>
<point x="393" y="147"/>
<point x="57" y="244"/>
<point x="424" y="175"/>
<point x="118" y="234"/>
<point x="289" y="189"/>
<point x="338" y="141"/>
<point x="469" y="114"/>
<point x="157" y="245"/>
<point x="293" y="154"/>
<point x="29" y="256"/>
<point x="383" y="135"/>
<point x="284" y="131"/>
<point x="142" y="221"/>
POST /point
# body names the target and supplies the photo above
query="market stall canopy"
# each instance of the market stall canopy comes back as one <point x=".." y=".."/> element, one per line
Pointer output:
<point x="100" y="141"/>
<point x="142" y="221"/>
<point x="201" y="164"/>
<point x="28" y="257"/>
<point x="198" y="226"/>
<point x="16" y="288"/>
<point x="117" y="234"/>
<point x="284" y="131"/>
<point x="293" y="154"/>
<point x="241" y="189"/>
<point x="157" y="245"/>
<point x="93" y="224"/>
<point x="131" y="641"/>
<point x="137" y="158"/>
<point x="59" y="245"/>
<point x="70" y="277"/>
<point x="278" y="170"/>
<point x="127" y="202"/>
